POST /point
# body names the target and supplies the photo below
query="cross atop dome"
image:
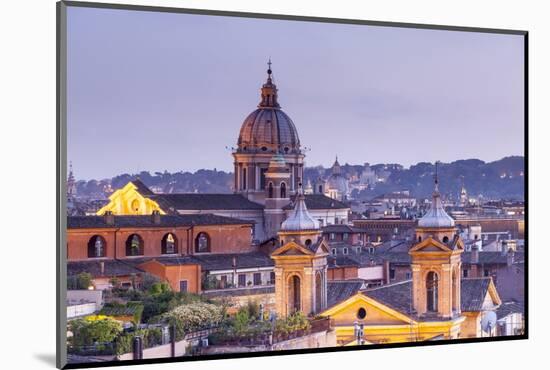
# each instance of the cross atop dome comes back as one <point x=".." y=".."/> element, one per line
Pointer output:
<point x="269" y="91"/>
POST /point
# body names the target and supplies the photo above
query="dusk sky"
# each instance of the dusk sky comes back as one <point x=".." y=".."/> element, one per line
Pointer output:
<point x="159" y="91"/>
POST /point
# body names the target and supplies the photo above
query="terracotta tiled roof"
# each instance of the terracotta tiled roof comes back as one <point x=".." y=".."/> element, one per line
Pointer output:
<point x="206" y="201"/>
<point x="507" y="308"/>
<point x="320" y="201"/>
<point x="112" y="268"/>
<point x="91" y="222"/>
<point x="340" y="290"/>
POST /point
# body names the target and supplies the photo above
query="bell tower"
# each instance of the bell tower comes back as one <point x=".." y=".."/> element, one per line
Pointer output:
<point x="277" y="179"/>
<point x="300" y="263"/>
<point x="436" y="263"/>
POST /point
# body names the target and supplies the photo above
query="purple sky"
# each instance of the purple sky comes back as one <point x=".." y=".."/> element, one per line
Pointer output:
<point x="155" y="91"/>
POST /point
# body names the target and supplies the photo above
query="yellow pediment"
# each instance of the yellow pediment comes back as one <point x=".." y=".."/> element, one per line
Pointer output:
<point x="377" y="313"/>
<point x="128" y="201"/>
<point x="291" y="249"/>
<point x="430" y="245"/>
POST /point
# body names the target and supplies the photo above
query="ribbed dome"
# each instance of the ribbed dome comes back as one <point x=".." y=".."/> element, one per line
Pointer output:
<point x="300" y="219"/>
<point x="436" y="216"/>
<point x="268" y="128"/>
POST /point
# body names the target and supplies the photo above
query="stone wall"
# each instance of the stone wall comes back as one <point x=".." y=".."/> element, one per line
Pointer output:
<point x="315" y="340"/>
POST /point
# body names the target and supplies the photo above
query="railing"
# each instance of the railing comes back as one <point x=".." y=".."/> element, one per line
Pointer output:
<point x="269" y="337"/>
<point x="97" y="349"/>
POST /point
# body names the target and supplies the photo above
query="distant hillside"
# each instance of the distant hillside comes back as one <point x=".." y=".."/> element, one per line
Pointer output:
<point x="498" y="179"/>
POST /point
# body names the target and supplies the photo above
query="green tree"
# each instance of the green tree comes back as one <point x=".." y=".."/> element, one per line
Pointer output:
<point x="84" y="280"/>
<point x="89" y="331"/>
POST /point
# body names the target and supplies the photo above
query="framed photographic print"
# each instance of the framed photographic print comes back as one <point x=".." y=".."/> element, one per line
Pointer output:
<point x="235" y="184"/>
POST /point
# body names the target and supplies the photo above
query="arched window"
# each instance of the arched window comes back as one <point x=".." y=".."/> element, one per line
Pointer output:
<point x="244" y="178"/>
<point x="202" y="243"/>
<point x="134" y="245"/>
<point x="169" y="244"/>
<point x="295" y="300"/>
<point x="308" y="242"/>
<point x="419" y="239"/>
<point x="283" y="190"/>
<point x="96" y="247"/>
<point x="318" y="292"/>
<point x="431" y="291"/>
<point x="270" y="190"/>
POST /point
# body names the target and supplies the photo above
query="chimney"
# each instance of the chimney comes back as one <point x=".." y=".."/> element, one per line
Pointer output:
<point x="510" y="257"/>
<point x="474" y="256"/>
<point x="156" y="217"/>
<point x="109" y="218"/>
<point x="102" y="267"/>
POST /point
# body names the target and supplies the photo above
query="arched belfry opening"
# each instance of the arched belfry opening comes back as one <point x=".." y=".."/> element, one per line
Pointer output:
<point x="318" y="292"/>
<point x="294" y="294"/>
<point x="432" y="290"/>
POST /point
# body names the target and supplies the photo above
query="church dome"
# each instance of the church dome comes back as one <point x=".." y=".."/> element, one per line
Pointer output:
<point x="337" y="181"/>
<point x="268" y="128"/>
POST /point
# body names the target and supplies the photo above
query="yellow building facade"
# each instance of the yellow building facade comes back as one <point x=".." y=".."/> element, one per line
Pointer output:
<point x="435" y="304"/>
<point x="129" y="201"/>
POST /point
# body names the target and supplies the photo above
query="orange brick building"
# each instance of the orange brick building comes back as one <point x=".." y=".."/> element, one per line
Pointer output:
<point x="124" y="247"/>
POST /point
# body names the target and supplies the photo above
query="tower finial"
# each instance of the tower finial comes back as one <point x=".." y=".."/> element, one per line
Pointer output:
<point x="436" y="178"/>
<point x="269" y="90"/>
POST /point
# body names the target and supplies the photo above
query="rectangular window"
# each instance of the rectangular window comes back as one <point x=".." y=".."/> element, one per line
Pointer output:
<point x="272" y="277"/>
<point x="331" y="236"/>
<point x="345" y="236"/>
<point x="242" y="280"/>
<point x="345" y="250"/>
<point x="407" y="275"/>
<point x="223" y="281"/>
<point x="392" y="274"/>
<point x="183" y="286"/>
<point x="486" y="273"/>
<point x="257" y="278"/>
<point x="333" y="251"/>
<point x="465" y="273"/>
